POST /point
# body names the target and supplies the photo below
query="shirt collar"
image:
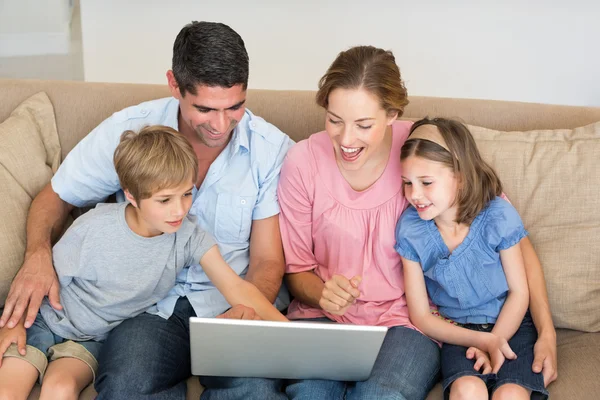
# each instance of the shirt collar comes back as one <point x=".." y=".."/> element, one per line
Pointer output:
<point x="240" y="137"/>
<point x="172" y="114"/>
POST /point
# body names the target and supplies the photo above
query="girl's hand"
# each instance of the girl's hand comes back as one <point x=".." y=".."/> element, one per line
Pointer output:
<point x="499" y="350"/>
<point x="482" y="360"/>
<point x="9" y="336"/>
<point x="339" y="293"/>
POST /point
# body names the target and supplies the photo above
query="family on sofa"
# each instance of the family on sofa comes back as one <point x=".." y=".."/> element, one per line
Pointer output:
<point x="375" y="216"/>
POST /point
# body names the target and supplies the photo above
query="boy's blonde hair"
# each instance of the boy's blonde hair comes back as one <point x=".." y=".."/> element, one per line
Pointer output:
<point x="156" y="158"/>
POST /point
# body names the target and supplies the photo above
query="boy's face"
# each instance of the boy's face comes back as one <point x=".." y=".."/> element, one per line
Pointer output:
<point x="164" y="211"/>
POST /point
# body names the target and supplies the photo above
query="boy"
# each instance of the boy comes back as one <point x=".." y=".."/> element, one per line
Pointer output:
<point x="115" y="262"/>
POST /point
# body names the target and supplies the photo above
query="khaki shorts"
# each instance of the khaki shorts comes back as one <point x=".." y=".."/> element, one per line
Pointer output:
<point x="67" y="349"/>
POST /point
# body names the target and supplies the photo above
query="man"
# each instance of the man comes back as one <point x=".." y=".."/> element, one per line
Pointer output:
<point x="239" y="158"/>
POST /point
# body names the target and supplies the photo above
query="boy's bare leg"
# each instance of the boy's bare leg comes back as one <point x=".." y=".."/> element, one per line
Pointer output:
<point x="65" y="378"/>
<point x="17" y="378"/>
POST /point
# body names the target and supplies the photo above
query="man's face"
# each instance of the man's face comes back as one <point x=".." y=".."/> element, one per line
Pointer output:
<point x="212" y="113"/>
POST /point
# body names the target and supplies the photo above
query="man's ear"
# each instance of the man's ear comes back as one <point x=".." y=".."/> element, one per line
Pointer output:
<point x="173" y="85"/>
<point x="130" y="198"/>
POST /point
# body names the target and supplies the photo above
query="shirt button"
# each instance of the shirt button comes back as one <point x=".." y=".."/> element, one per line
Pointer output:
<point x="144" y="111"/>
<point x="252" y="124"/>
<point x="243" y="202"/>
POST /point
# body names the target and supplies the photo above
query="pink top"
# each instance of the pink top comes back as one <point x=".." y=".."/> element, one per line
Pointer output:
<point x="330" y="228"/>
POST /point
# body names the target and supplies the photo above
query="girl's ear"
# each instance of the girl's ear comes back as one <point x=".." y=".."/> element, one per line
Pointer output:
<point x="130" y="198"/>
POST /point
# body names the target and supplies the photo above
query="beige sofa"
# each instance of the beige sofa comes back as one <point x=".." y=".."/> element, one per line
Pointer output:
<point x="550" y="174"/>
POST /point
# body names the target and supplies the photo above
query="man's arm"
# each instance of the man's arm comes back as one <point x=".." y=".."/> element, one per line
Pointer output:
<point x="37" y="277"/>
<point x="545" y="348"/>
<point x="266" y="257"/>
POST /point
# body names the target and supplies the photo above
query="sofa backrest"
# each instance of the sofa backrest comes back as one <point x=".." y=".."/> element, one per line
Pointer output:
<point x="549" y="174"/>
<point x="81" y="106"/>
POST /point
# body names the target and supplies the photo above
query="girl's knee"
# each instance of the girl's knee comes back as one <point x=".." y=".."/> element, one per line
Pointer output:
<point x="468" y="387"/>
<point x="511" y="391"/>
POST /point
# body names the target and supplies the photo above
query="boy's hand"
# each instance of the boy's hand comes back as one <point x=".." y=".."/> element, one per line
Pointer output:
<point x="339" y="293"/>
<point x="499" y="351"/>
<point x="15" y="335"/>
<point x="482" y="360"/>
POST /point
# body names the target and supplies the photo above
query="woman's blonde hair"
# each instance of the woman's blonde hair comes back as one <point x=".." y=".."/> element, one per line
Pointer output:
<point x="369" y="68"/>
<point x="156" y="158"/>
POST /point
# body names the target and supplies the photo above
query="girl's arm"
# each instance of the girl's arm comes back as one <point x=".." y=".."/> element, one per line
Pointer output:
<point x="235" y="289"/>
<point x="438" y="329"/>
<point x="517" y="301"/>
<point x="429" y="324"/>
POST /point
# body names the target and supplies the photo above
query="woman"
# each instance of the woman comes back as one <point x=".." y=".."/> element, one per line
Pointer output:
<point x="340" y="194"/>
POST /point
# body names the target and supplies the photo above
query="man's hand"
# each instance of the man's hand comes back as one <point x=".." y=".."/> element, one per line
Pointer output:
<point x="482" y="360"/>
<point x="545" y="360"/>
<point x="240" y="311"/>
<point x="339" y="293"/>
<point x="499" y="350"/>
<point x="35" y="279"/>
<point x="9" y="336"/>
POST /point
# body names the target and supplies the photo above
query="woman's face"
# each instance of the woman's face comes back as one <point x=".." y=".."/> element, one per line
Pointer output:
<point x="357" y="126"/>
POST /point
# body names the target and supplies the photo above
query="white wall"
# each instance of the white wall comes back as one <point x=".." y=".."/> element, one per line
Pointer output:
<point x="544" y="51"/>
<point x="31" y="27"/>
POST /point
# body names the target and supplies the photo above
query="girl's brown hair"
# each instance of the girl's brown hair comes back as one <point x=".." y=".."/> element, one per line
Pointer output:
<point x="478" y="182"/>
<point x="156" y="158"/>
<point x="369" y="68"/>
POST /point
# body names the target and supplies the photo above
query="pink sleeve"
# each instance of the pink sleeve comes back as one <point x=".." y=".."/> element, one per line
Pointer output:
<point x="295" y="217"/>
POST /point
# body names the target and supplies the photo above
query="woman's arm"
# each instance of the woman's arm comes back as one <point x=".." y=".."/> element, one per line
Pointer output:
<point x="517" y="301"/>
<point x="306" y="287"/>
<point x="333" y="296"/>
<point x="235" y="289"/>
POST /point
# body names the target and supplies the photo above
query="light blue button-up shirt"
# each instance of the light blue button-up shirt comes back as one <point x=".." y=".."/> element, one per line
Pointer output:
<point x="240" y="186"/>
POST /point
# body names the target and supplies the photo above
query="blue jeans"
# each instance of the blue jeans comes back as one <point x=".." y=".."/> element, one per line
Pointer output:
<point x="406" y="368"/>
<point x="42" y="338"/>
<point x="148" y="357"/>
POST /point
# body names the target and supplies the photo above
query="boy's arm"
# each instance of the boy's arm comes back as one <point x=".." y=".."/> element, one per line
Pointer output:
<point x="37" y="277"/>
<point x="516" y="303"/>
<point x="235" y="289"/>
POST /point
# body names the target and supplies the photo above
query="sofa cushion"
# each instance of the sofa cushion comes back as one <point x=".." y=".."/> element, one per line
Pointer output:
<point x="29" y="155"/>
<point x="552" y="176"/>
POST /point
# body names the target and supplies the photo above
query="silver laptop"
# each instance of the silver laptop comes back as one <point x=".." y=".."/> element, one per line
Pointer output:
<point x="288" y="350"/>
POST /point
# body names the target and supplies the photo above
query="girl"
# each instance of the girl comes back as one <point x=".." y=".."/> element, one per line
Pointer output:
<point x="459" y="244"/>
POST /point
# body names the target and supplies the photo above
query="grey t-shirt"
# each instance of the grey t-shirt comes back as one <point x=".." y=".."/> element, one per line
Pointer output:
<point x="108" y="273"/>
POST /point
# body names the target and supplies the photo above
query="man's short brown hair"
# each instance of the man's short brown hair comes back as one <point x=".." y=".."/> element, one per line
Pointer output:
<point x="156" y="158"/>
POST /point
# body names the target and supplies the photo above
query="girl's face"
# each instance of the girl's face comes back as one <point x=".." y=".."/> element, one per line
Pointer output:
<point x="357" y="126"/>
<point x="431" y="187"/>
